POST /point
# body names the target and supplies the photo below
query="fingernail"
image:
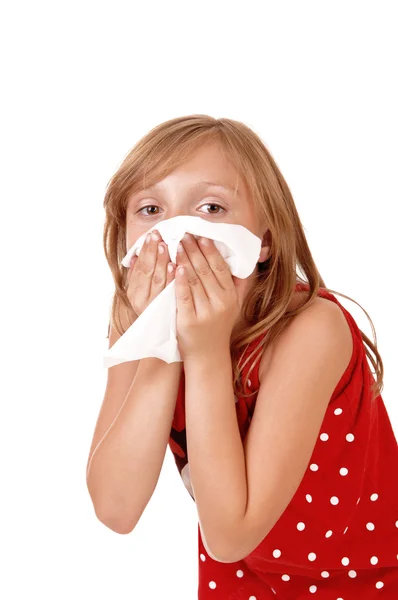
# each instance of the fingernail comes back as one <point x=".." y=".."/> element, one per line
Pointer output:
<point x="148" y="238"/>
<point x="155" y="237"/>
<point x="180" y="247"/>
<point x="161" y="248"/>
<point x="170" y="267"/>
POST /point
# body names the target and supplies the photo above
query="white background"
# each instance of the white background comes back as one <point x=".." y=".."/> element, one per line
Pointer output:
<point x="82" y="82"/>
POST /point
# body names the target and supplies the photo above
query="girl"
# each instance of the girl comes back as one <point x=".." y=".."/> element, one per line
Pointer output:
<point x="274" y="418"/>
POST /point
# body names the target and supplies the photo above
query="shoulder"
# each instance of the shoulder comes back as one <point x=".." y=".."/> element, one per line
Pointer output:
<point x="321" y="327"/>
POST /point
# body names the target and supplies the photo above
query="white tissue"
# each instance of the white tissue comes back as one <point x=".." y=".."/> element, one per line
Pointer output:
<point x="153" y="333"/>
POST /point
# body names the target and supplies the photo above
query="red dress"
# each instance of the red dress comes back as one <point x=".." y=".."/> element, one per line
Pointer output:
<point x="338" y="537"/>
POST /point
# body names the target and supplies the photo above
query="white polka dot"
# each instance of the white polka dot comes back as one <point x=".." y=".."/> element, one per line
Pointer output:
<point x="239" y="573"/>
<point x="329" y="533"/>
<point x="212" y="585"/>
<point x="249" y="382"/>
<point x="352" y="574"/>
<point x="314" y="467"/>
<point x="324" y="437"/>
<point x="379" y="585"/>
<point x="252" y="598"/>
<point x="300" y="526"/>
<point x="285" y="577"/>
<point x="325" y="574"/>
<point x="345" y="561"/>
<point x="349" y="437"/>
<point x="374" y="560"/>
<point x="308" y="497"/>
<point x="345" y="530"/>
<point x="312" y="556"/>
<point x="334" y="500"/>
<point x="277" y="553"/>
<point x="396" y="523"/>
<point x="358" y="500"/>
<point x="374" y="497"/>
<point x="313" y="589"/>
<point x="338" y="411"/>
<point x="273" y="590"/>
<point x="202" y="557"/>
<point x="343" y="471"/>
<point x="370" y="526"/>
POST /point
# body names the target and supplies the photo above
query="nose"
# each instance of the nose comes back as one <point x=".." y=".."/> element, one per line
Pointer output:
<point x="176" y="212"/>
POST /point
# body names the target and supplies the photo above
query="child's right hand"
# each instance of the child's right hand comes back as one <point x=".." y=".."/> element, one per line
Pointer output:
<point x="148" y="274"/>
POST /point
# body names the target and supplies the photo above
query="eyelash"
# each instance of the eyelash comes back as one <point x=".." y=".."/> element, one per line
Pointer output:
<point x="207" y="204"/>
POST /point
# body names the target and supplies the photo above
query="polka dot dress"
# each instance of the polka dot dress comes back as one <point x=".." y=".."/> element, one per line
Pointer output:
<point x="338" y="537"/>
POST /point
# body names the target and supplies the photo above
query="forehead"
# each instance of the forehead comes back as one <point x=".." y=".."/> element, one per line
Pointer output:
<point x="211" y="158"/>
<point x="207" y="164"/>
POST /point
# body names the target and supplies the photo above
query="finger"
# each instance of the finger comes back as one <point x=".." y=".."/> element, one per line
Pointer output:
<point x="144" y="269"/>
<point x="131" y="269"/>
<point x="219" y="267"/>
<point x="191" y="277"/>
<point x="184" y="300"/>
<point x="209" y="266"/>
<point x="170" y="273"/>
<point x="159" y="276"/>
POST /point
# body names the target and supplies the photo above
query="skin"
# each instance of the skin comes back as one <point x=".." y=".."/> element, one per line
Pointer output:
<point x="239" y="494"/>
<point x="180" y="193"/>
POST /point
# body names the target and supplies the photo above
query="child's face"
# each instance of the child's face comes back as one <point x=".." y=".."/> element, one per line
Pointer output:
<point x="184" y="192"/>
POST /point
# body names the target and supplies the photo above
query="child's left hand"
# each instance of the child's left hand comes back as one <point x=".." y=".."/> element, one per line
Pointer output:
<point x="209" y="299"/>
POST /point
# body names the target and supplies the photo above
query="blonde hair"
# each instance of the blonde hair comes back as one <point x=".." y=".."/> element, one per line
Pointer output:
<point x="157" y="154"/>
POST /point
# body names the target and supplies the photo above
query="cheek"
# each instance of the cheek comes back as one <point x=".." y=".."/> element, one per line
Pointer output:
<point x="241" y="285"/>
<point x="247" y="285"/>
<point x="132" y="234"/>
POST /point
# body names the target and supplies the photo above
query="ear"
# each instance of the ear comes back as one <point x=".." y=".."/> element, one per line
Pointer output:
<point x="265" y="246"/>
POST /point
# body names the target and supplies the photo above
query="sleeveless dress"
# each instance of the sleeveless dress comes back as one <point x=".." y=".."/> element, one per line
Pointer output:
<point x="338" y="537"/>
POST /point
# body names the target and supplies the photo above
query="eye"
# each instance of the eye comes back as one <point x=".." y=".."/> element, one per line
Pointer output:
<point x="148" y="206"/>
<point x="213" y="204"/>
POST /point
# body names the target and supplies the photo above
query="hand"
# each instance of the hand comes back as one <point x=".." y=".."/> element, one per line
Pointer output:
<point x="148" y="274"/>
<point x="208" y="297"/>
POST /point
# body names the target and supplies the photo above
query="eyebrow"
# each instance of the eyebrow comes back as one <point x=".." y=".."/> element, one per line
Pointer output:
<point x="217" y="184"/>
<point x="203" y="184"/>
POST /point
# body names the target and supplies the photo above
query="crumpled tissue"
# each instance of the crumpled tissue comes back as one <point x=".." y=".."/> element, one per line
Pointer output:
<point x="154" y="332"/>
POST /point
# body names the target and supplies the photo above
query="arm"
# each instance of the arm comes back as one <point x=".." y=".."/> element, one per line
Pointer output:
<point x="119" y="380"/>
<point x="242" y="490"/>
<point x="125" y="465"/>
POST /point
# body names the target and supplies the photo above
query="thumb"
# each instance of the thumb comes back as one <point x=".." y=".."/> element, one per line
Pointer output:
<point x="131" y="267"/>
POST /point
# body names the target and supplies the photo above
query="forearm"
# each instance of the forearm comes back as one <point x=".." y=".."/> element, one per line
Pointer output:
<point x="125" y="466"/>
<point x="215" y="451"/>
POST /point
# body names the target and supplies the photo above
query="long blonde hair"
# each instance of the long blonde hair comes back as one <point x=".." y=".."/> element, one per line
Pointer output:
<point x="265" y="309"/>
